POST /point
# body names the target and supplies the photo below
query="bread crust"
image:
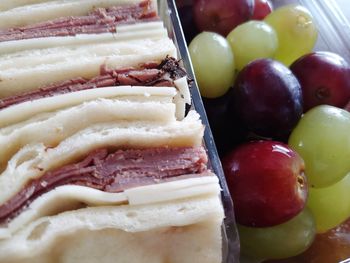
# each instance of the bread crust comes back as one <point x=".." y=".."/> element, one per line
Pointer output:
<point x="187" y="230"/>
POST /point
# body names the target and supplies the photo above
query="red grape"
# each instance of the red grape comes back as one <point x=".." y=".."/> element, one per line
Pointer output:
<point x="268" y="99"/>
<point x="221" y="16"/>
<point x="261" y="9"/>
<point x="324" y="78"/>
<point x="267" y="183"/>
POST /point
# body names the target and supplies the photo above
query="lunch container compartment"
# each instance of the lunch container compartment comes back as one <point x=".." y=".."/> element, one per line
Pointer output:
<point x="230" y="246"/>
<point x="333" y="35"/>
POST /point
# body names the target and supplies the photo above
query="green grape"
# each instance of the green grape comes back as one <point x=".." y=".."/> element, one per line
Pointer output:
<point x="213" y="64"/>
<point x="252" y="40"/>
<point x="296" y="32"/>
<point x="330" y="205"/>
<point x="322" y="139"/>
<point x="280" y="241"/>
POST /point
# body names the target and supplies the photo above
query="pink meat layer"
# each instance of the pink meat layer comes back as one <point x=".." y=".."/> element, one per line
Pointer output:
<point x="100" y="20"/>
<point x="112" y="172"/>
<point x="150" y="74"/>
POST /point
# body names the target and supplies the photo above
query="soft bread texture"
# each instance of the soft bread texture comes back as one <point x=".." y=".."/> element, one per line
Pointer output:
<point x="35" y="58"/>
<point x="26" y="110"/>
<point x="43" y="11"/>
<point x="124" y="33"/>
<point x="9" y="4"/>
<point x="187" y="230"/>
<point x="71" y="197"/>
<point x="53" y="127"/>
<point x="47" y="66"/>
<point x="28" y="59"/>
<point x="33" y="160"/>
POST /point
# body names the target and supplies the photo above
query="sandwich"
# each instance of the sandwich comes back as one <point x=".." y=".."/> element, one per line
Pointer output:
<point x="121" y="178"/>
<point x="22" y="86"/>
<point x="100" y="158"/>
<point x="42" y="51"/>
<point x="41" y="24"/>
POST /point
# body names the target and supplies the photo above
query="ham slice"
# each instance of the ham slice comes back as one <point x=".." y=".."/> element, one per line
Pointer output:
<point x="112" y="172"/>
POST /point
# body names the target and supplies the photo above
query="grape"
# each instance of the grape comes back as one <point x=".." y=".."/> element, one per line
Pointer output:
<point x="221" y="16"/>
<point x="324" y="78"/>
<point x="332" y="246"/>
<point x="280" y="241"/>
<point x="252" y="40"/>
<point x="226" y="128"/>
<point x="190" y="30"/>
<point x="322" y="139"/>
<point x="330" y="205"/>
<point x="267" y="183"/>
<point x="213" y="64"/>
<point x="268" y="98"/>
<point x="261" y="9"/>
<point x="296" y="31"/>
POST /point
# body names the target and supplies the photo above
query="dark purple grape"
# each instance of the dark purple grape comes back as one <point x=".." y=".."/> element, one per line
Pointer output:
<point x="187" y="22"/>
<point x="267" y="97"/>
<point x="324" y="78"/>
<point x="226" y="129"/>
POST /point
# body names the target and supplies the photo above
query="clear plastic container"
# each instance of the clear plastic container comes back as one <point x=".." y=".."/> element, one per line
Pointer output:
<point x="230" y="242"/>
<point x="334" y="35"/>
<point x="333" y="26"/>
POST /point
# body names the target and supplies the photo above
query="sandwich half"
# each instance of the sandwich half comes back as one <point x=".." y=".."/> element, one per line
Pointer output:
<point x="41" y="24"/>
<point x="120" y="182"/>
<point x="100" y="158"/>
<point x="56" y="52"/>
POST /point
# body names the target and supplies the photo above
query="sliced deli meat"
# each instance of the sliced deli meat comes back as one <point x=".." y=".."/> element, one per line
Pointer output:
<point x="29" y="70"/>
<point x="112" y="172"/>
<point x="60" y="23"/>
<point x="72" y="197"/>
<point x="161" y="74"/>
<point x="20" y="14"/>
<point x="34" y="160"/>
<point x="100" y="20"/>
<point x="126" y="32"/>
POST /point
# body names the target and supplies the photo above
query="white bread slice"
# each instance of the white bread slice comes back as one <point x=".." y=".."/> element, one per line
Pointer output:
<point x="9" y="4"/>
<point x="179" y="231"/>
<point x="33" y="160"/>
<point x="30" y="14"/>
<point x="47" y="66"/>
<point x="71" y="197"/>
<point x="28" y="59"/>
<point x="53" y="127"/>
<point x="123" y="33"/>
<point x="26" y="110"/>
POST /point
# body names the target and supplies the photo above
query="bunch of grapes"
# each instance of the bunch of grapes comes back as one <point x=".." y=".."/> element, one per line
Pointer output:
<point x="279" y="116"/>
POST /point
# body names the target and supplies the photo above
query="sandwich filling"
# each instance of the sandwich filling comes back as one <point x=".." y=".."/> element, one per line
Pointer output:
<point x="100" y="20"/>
<point x="112" y="172"/>
<point x="148" y="74"/>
